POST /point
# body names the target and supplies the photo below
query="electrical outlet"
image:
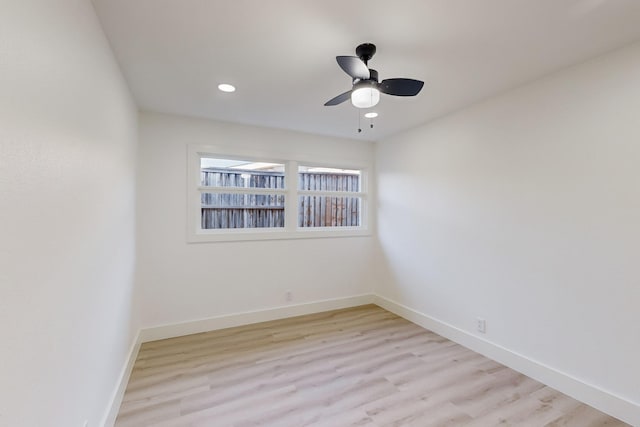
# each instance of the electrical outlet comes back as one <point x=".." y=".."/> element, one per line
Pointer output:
<point x="481" y="325"/>
<point x="288" y="296"/>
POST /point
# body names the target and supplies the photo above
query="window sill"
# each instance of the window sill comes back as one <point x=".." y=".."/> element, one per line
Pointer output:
<point x="239" y="235"/>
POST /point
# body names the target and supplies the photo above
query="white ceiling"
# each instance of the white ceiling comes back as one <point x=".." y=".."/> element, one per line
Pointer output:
<point x="281" y="53"/>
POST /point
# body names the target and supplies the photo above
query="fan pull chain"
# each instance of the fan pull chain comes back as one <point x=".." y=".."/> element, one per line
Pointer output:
<point x="360" y="122"/>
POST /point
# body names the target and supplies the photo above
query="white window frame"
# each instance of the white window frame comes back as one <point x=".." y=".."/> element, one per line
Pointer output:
<point x="196" y="234"/>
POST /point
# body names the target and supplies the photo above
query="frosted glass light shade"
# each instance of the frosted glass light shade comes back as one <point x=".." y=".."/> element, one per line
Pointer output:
<point x="365" y="97"/>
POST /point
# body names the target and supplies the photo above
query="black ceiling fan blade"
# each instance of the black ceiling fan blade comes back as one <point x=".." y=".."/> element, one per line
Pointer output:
<point x="401" y="87"/>
<point x="338" y="99"/>
<point x="354" y="67"/>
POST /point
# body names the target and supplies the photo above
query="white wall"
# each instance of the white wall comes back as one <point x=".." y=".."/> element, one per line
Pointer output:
<point x="67" y="220"/>
<point x="524" y="210"/>
<point x="183" y="281"/>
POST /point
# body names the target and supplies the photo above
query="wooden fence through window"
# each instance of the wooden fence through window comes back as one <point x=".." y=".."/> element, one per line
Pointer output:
<point x="328" y="211"/>
<point x="233" y="210"/>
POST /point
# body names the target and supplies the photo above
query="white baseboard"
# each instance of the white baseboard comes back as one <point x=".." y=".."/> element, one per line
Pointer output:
<point x="109" y="418"/>
<point x="602" y="400"/>
<point x="249" y="317"/>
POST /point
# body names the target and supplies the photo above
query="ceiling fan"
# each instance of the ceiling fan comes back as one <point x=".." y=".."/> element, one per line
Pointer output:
<point x="366" y="90"/>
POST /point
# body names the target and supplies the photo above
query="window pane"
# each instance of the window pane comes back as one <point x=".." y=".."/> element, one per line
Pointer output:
<point x="325" y="211"/>
<point x="328" y="179"/>
<point x="240" y="173"/>
<point x="229" y="210"/>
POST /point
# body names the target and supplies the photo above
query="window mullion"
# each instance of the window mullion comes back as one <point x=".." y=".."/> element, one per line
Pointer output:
<point x="291" y="200"/>
<point x="331" y="193"/>
<point x="241" y="190"/>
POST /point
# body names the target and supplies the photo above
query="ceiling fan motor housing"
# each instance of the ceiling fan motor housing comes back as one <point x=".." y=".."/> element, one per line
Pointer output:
<point x="366" y="51"/>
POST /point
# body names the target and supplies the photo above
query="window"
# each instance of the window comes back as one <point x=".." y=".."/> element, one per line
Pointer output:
<point x="254" y="198"/>
<point x="241" y="194"/>
<point x="328" y="197"/>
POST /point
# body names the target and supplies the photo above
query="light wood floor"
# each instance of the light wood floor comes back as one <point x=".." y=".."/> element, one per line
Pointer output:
<point x="356" y="367"/>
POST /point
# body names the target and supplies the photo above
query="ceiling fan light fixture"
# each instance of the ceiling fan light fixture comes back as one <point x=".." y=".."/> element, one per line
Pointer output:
<point x="365" y="97"/>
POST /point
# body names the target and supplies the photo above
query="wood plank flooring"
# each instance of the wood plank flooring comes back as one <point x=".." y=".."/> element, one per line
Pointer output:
<point x="361" y="366"/>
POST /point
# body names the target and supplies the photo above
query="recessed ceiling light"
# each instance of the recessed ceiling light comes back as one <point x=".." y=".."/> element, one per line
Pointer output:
<point x="371" y="115"/>
<point x="226" y="87"/>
